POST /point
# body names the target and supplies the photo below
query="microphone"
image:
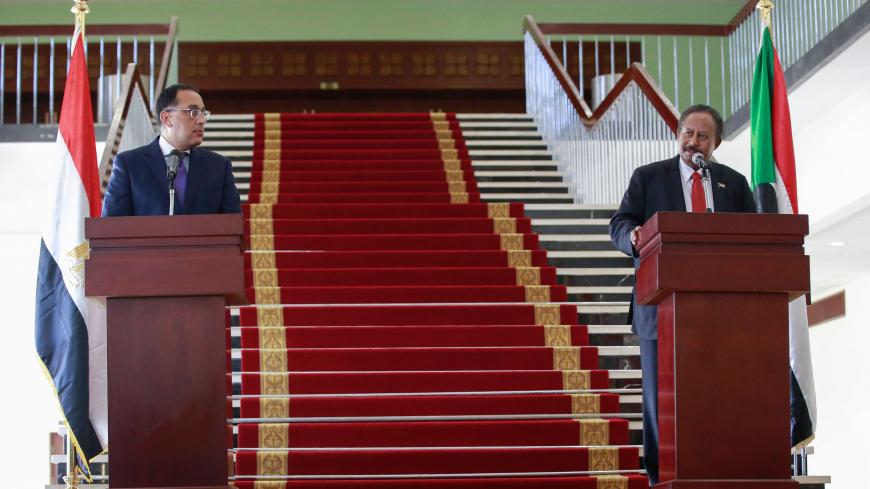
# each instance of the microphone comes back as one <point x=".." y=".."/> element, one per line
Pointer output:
<point x="702" y="162"/>
<point x="171" y="171"/>
<point x="699" y="160"/>
<point x="173" y="168"/>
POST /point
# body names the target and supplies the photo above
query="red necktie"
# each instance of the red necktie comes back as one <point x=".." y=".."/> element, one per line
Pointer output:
<point x="698" y="200"/>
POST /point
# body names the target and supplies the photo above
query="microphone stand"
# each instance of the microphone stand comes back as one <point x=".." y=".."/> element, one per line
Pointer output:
<point x="171" y="193"/>
<point x="708" y="189"/>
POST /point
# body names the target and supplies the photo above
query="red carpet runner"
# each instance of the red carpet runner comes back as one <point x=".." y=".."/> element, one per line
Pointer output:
<point x="404" y="333"/>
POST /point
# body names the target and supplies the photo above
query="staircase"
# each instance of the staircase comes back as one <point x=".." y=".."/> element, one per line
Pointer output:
<point x="430" y="309"/>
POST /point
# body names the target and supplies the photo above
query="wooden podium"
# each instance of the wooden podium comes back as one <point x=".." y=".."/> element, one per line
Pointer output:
<point x="722" y="283"/>
<point x="166" y="280"/>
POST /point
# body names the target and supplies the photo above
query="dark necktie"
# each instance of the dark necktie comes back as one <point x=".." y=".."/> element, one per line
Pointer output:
<point x="698" y="200"/>
<point x="180" y="176"/>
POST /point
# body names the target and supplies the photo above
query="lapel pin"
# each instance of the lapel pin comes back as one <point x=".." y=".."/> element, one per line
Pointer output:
<point x="721" y="185"/>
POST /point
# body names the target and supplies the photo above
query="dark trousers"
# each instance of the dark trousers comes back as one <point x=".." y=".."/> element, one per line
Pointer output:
<point x="649" y="364"/>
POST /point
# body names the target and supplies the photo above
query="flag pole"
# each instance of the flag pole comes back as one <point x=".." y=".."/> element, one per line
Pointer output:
<point x="79" y="9"/>
<point x="72" y="478"/>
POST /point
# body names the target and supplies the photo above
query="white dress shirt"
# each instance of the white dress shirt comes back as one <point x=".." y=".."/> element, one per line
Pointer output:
<point x="166" y="147"/>
<point x="686" y="173"/>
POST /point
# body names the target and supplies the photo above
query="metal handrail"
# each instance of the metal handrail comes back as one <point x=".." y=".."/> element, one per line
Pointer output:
<point x="636" y="73"/>
<point x="726" y="55"/>
<point x="43" y="45"/>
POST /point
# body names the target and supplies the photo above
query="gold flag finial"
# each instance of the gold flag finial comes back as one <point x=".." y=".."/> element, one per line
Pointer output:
<point x="766" y="6"/>
<point x="80" y="9"/>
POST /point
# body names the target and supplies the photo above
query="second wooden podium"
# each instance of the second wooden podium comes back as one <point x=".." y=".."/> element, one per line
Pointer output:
<point x="166" y="281"/>
<point x="722" y="283"/>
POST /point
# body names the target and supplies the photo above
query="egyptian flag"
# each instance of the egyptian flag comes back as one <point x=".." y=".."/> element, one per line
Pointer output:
<point x="70" y="328"/>
<point x="774" y="184"/>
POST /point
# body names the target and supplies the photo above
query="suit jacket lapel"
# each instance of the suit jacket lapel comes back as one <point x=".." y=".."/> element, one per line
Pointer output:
<point x="675" y="186"/>
<point x="157" y="164"/>
<point x="195" y="174"/>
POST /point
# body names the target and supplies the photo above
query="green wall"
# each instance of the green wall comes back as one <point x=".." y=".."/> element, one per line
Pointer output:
<point x="423" y="20"/>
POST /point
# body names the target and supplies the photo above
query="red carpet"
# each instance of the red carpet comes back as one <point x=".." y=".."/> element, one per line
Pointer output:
<point x="322" y="277"/>
<point x="401" y="242"/>
<point x="288" y="187"/>
<point x="407" y="336"/>
<point x="428" y="461"/>
<point x="378" y="211"/>
<point x="426" y="405"/>
<point x="563" y="432"/>
<point x="366" y="198"/>
<point x="595" y="482"/>
<point x="368" y="382"/>
<point x="356" y="143"/>
<point x="417" y="359"/>
<point x="432" y="225"/>
<point x="293" y="174"/>
<point x="507" y="314"/>
<point x="278" y="163"/>
<point x="382" y="287"/>
<point x="389" y="259"/>
<point x="407" y="294"/>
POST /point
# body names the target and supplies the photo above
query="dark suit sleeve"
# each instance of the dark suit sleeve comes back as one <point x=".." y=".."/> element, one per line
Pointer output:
<point x="118" y="200"/>
<point x="629" y="215"/>
<point x="747" y="200"/>
<point x="230" y="201"/>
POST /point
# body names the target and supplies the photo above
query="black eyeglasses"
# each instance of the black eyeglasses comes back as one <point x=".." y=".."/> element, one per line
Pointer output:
<point x="194" y="113"/>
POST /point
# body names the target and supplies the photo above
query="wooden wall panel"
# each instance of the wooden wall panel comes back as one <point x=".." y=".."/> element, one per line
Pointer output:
<point x="374" y="76"/>
<point x="350" y="65"/>
<point x="827" y="309"/>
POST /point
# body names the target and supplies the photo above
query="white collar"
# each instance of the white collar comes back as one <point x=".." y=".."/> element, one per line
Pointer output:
<point x="166" y="147"/>
<point x="686" y="171"/>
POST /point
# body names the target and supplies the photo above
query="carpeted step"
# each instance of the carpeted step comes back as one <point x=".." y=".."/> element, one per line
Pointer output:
<point x="456" y="405"/>
<point x="355" y="116"/>
<point x="377" y="142"/>
<point x="417" y="277"/>
<point x="363" y="134"/>
<point x="378" y="211"/>
<point x="406" y="294"/>
<point x="422" y="241"/>
<point x="422" y="314"/>
<point x="324" y="175"/>
<point x="357" y="166"/>
<point x="631" y="481"/>
<point x="356" y="125"/>
<point x="418" y="359"/>
<point x="368" y="382"/>
<point x="370" y="198"/>
<point x="360" y="154"/>
<point x="430" y="225"/>
<point x="393" y="258"/>
<point x="364" y="187"/>
<point x="412" y="336"/>
<point x="435" y="461"/>
<point x="499" y="433"/>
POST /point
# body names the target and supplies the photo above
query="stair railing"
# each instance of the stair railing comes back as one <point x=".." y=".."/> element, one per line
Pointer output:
<point x="596" y="150"/>
<point x="710" y="64"/>
<point x="634" y="121"/>
<point x="132" y="124"/>
<point x="37" y="58"/>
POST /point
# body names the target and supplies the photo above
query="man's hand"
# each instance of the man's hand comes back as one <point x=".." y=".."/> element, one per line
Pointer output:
<point x="635" y="234"/>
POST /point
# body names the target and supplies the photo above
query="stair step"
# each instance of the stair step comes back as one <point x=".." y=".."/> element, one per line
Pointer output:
<point x="548" y="432"/>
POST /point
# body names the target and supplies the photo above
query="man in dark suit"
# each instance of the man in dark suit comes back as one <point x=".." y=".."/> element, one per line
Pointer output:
<point x="671" y="185"/>
<point x="139" y="185"/>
